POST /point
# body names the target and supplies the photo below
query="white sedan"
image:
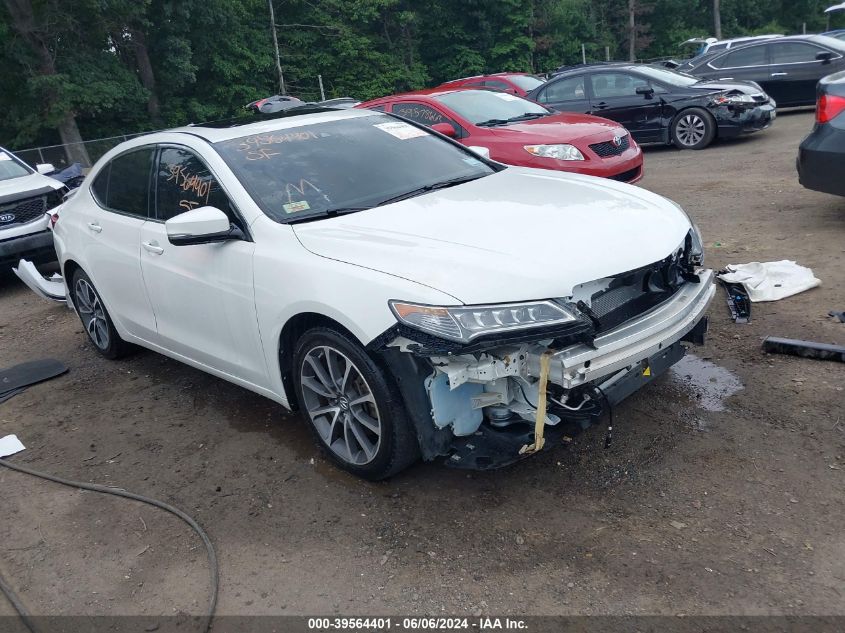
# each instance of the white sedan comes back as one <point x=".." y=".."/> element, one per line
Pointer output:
<point x="412" y="298"/>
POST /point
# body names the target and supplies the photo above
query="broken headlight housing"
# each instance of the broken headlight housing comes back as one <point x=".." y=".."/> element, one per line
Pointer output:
<point x="696" y="249"/>
<point x="734" y="99"/>
<point x="465" y="323"/>
<point x="562" y="151"/>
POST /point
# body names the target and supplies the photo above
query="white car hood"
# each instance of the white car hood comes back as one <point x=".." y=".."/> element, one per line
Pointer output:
<point x="520" y="234"/>
<point x="25" y="184"/>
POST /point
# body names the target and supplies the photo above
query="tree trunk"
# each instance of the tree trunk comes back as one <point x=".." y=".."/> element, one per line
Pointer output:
<point x="23" y="19"/>
<point x="632" y="30"/>
<point x="717" y="20"/>
<point x="146" y="74"/>
<point x="74" y="148"/>
<point x="276" y="48"/>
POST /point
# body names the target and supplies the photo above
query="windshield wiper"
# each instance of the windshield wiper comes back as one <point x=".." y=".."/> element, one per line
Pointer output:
<point x="432" y="187"/>
<point x="492" y="122"/>
<point x="520" y="117"/>
<point x="528" y="115"/>
<point x="328" y="213"/>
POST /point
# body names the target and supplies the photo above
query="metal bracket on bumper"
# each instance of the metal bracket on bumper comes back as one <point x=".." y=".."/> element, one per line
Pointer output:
<point x="633" y="341"/>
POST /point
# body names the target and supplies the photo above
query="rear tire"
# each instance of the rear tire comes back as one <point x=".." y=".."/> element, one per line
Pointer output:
<point x="693" y="128"/>
<point x="95" y="318"/>
<point x="354" y="409"/>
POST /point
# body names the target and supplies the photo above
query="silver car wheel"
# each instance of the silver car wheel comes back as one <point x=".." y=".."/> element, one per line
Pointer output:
<point x="341" y="405"/>
<point x="690" y="129"/>
<point x="93" y="314"/>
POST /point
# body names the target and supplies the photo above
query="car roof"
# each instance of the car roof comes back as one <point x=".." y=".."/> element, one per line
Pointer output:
<point x="227" y="129"/>
<point x="504" y="75"/>
<point x="420" y="95"/>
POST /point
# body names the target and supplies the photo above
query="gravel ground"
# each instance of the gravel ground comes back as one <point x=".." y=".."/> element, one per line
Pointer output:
<point x="722" y="492"/>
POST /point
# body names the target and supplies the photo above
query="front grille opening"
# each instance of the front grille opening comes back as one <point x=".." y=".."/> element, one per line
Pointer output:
<point x="608" y="149"/>
<point x="24" y="211"/>
<point x="626" y="176"/>
<point x="631" y="294"/>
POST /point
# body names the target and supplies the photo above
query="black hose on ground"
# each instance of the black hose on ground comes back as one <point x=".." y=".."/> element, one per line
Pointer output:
<point x="212" y="556"/>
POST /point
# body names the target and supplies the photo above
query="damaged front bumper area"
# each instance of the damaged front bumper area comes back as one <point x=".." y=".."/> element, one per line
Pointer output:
<point x="52" y="289"/>
<point x="482" y="409"/>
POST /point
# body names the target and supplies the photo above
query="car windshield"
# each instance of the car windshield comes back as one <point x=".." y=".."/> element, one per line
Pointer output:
<point x="667" y="76"/>
<point x="481" y="107"/>
<point x="329" y="168"/>
<point x="526" y="82"/>
<point x="10" y="167"/>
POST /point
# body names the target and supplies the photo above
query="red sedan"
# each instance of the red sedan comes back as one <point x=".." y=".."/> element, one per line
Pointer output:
<point x="519" y="84"/>
<point x="520" y="132"/>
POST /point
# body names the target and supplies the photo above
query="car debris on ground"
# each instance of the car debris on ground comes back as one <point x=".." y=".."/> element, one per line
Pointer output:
<point x="771" y="281"/>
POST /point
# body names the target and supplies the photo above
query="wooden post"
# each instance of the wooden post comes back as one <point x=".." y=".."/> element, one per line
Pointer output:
<point x="276" y="48"/>
<point x="322" y="92"/>
<point x="583" y="54"/>
<point x="632" y="30"/>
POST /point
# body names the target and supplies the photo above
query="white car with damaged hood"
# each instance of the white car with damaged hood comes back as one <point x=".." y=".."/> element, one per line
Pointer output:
<point x="412" y="298"/>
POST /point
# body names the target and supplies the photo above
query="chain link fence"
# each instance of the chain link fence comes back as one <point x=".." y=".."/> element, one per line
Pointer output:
<point x="60" y="155"/>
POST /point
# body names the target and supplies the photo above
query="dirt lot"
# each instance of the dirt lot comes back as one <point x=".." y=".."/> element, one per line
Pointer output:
<point x="693" y="510"/>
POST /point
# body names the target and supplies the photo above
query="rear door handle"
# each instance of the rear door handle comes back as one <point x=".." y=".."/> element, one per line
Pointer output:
<point x="153" y="247"/>
<point x="95" y="227"/>
<point x="601" y="106"/>
<point x="779" y="74"/>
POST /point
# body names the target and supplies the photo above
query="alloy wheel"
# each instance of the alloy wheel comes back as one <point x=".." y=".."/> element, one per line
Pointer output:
<point x="690" y="129"/>
<point x="341" y="405"/>
<point x="93" y="314"/>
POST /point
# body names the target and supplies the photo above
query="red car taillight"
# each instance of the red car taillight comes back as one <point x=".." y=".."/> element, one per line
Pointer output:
<point x="829" y="107"/>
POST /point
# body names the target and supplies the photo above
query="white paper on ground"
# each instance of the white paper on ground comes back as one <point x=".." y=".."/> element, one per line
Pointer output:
<point x="10" y="445"/>
<point x="770" y="281"/>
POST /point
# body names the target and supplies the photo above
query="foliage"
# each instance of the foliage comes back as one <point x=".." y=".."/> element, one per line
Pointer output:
<point x="122" y="66"/>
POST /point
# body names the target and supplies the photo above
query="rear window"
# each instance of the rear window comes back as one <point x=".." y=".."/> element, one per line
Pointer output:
<point x="526" y="82"/>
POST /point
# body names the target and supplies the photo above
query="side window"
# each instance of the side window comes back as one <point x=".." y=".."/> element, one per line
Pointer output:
<point x="183" y="182"/>
<point x="419" y="113"/>
<point x="100" y="186"/>
<point x="571" y="89"/>
<point x="794" y="52"/>
<point x="607" y="85"/>
<point x="751" y="56"/>
<point x="124" y="184"/>
<point x="377" y="108"/>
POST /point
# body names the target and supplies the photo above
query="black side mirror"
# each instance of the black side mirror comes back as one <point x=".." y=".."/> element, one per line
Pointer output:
<point x="646" y="91"/>
<point x="824" y="57"/>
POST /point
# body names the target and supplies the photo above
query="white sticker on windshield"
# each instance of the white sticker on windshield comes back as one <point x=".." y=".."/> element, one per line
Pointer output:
<point x="295" y="207"/>
<point x="5" y="156"/>
<point x="401" y="130"/>
<point x="506" y="97"/>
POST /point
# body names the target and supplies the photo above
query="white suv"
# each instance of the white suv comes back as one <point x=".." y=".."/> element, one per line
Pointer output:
<point x="410" y="297"/>
<point x="26" y="195"/>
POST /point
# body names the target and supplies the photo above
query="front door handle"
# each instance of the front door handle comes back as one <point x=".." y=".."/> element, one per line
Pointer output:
<point x="779" y="74"/>
<point x="95" y="227"/>
<point x="153" y="247"/>
<point x="601" y="106"/>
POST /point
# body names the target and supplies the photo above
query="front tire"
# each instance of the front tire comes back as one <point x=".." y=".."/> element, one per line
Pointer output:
<point x="95" y="318"/>
<point x="693" y="128"/>
<point x="354" y="410"/>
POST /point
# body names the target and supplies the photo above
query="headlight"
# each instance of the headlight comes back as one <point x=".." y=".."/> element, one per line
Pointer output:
<point x="561" y="152"/>
<point x="464" y="323"/>
<point x="739" y="98"/>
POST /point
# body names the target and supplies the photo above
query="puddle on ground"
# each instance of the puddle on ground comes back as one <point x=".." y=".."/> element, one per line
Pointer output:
<point x="711" y="383"/>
